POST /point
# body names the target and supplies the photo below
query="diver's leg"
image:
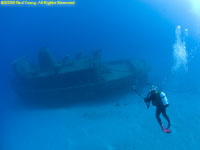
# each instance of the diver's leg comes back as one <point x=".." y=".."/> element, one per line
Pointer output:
<point x="158" y="112"/>
<point x="166" y="117"/>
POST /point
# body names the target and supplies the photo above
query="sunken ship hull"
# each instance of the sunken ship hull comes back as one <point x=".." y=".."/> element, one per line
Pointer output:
<point x="77" y="80"/>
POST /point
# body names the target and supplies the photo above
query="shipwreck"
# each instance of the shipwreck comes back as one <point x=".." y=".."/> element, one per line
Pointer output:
<point x="75" y="79"/>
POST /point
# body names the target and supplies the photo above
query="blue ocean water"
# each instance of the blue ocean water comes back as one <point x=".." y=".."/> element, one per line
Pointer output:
<point x="163" y="34"/>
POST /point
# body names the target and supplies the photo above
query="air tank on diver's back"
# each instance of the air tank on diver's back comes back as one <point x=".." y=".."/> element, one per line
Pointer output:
<point x="164" y="99"/>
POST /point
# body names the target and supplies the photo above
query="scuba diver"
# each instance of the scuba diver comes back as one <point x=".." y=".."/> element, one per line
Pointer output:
<point x="158" y="99"/>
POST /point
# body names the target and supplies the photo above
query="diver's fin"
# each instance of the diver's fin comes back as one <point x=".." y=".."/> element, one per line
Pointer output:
<point x="166" y="130"/>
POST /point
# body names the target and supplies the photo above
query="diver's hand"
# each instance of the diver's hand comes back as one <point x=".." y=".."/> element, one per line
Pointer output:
<point x="147" y="105"/>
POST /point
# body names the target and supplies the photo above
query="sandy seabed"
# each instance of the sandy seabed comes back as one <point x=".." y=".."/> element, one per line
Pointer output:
<point x="124" y="124"/>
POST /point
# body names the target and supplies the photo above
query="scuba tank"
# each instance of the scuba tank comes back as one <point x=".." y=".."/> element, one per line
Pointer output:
<point x="158" y="98"/>
<point x="164" y="99"/>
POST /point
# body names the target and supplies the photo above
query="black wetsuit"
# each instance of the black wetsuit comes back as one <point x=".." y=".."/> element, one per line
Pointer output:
<point x="154" y="97"/>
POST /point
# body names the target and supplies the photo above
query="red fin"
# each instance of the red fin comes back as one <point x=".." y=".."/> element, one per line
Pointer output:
<point x="166" y="130"/>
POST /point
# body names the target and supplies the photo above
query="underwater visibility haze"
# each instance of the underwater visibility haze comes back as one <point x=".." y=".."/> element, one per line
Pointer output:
<point x="76" y="77"/>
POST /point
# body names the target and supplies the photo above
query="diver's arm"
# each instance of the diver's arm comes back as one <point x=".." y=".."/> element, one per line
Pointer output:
<point x="147" y="100"/>
<point x="148" y="104"/>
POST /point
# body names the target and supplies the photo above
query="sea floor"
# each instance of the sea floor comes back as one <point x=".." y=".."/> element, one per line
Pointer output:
<point x="123" y="124"/>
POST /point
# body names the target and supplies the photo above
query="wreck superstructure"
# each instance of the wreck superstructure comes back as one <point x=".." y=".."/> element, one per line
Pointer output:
<point x="84" y="77"/>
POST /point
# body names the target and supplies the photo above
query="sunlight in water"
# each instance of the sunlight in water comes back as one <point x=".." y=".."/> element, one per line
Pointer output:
<point x="180" y="53"/>
<point x="195" y="6"/>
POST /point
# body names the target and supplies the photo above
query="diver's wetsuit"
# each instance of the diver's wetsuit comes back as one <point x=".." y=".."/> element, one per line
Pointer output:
<point x="155" y="98"/>
<point x="159" y="110"/>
